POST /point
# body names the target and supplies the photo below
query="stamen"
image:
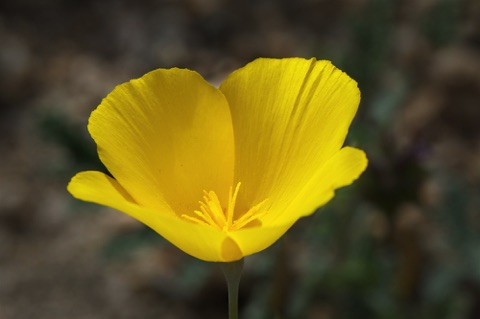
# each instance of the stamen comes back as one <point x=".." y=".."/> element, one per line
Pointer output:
<point x="231" y="203"/>
<point x="211" y="212"/>
<point x="204" y="216"/>
<point x="250" y="216"/>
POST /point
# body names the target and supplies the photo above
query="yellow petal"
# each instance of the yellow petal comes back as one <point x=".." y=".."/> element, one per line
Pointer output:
<point x="200" y="241"/>
<point x="165" y="138"/>
<point x="341" y="169"/>
<point x="255" y="239"/>
<point x="290" y="116"/>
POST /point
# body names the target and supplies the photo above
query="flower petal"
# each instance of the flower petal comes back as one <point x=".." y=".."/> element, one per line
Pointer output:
<point x="290" y="116"/>
<point x="341" y="169"/>
<point x="166" y="137"/>
<point x="255" y="239"/>
<point x="200" y="241"/>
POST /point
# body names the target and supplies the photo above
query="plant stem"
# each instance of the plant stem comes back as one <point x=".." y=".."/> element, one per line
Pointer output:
<point x="232" y="271"/>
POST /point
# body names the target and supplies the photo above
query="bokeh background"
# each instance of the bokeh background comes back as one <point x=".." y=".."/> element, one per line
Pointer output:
<point x="403" y="242"/>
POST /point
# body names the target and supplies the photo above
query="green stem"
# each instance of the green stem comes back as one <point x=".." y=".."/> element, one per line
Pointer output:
<point x="232" y="272"/>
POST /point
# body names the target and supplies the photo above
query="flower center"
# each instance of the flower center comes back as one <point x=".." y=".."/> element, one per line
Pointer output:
<point x="213" y="214"/>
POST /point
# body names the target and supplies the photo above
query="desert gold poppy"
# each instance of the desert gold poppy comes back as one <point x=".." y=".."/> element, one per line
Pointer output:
<point x="222" y="173"/>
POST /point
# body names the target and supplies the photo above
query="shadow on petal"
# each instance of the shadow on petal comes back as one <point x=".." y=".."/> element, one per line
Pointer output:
<point x="230" y="250"/>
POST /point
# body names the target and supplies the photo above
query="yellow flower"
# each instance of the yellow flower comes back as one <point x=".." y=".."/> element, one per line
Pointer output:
<point x="223" y="173"/>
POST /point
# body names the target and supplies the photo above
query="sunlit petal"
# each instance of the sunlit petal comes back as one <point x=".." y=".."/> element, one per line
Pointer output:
<point x="290" y="116"/>
<point x="166" y="137"/>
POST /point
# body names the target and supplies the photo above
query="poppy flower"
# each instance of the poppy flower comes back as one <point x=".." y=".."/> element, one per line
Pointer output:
<point x="222" y="173"/>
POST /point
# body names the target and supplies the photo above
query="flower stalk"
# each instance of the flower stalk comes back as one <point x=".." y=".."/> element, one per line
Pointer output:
<point x="233" y="271"/>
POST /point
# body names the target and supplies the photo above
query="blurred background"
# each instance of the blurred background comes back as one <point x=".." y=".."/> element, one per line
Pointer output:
<point x="403" y="242"/>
